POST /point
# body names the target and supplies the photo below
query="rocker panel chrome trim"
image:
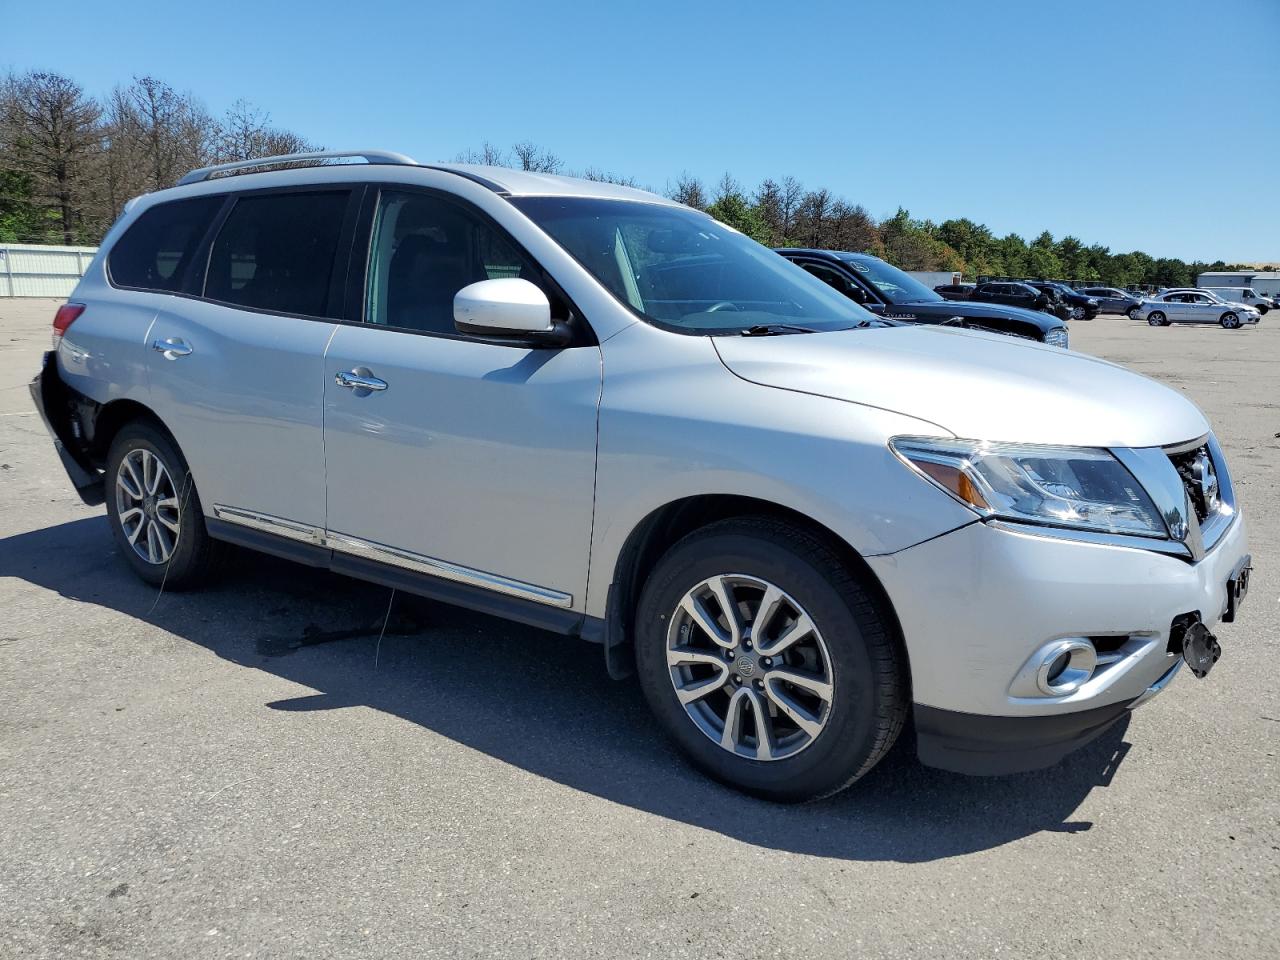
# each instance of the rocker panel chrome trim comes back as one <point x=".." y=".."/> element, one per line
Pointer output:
<point x="434" y="567"/>
<point x="269" y="524"/>
<point x="418" y="563"/>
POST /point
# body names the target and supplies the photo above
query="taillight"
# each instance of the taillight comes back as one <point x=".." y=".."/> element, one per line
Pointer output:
<point x="66" y="315"/>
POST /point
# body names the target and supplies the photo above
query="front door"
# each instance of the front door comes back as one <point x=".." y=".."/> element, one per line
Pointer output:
<point x="237" y="376"/>
<point x="476" y="461"/>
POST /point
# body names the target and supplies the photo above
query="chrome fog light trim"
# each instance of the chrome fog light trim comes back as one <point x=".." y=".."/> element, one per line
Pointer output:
<point x="1066" y="667"/>
<point x="1057" y="669"/>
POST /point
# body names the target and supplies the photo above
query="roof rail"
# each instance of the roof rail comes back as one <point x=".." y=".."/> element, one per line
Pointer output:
<point x="369" y="156"/>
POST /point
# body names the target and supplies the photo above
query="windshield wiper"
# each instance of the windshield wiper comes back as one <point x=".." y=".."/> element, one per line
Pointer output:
<point x="774" y="330"/>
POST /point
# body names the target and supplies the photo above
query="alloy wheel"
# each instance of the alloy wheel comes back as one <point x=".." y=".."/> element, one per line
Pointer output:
<point x="750" y="667"/>
<point x="147" y="506"/>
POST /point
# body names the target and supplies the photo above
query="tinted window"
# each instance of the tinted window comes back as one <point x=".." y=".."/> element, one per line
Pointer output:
<point x="894" y="284"/>
<point x="834" y="279"/>
<point x="154" y="253"/>
<point x="276" y="252"/>
<point x="425" y="250"/>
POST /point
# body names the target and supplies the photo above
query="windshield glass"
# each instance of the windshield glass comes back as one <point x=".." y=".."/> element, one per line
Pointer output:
<point x="682" y="270"/>
<point x="896" y="286"/>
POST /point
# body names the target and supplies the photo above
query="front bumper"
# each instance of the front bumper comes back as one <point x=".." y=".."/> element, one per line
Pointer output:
<point x="976" y="603"/>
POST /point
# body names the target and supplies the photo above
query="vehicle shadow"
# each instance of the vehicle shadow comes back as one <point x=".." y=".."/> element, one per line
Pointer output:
<point x="543" y="703"/>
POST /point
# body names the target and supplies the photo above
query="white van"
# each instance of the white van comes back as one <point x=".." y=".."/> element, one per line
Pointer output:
<point x="1246" y="295"/>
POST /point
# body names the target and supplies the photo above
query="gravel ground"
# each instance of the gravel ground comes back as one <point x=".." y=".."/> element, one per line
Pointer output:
<point x="247" y="772"/>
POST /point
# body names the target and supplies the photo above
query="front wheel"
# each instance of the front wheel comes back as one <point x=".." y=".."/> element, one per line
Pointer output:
<point x="153" y="509"/>
<point x="1156" y="318"/>
<point x="1132" y="313"/>
<point x="769" y="661"/>
<point x="1230" y="321"/>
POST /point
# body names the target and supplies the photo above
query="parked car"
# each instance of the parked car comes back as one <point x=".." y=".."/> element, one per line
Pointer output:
<point x="889" y="292"/>
<point x="1113" y="300"/>
<point x="955" y="291"/>
<point x="1194" y="306"/>
<point x="1082" y="307"/>
<point x="1012" y="293"/>
<point x="591" y="409"/>
<point x="1245" y="295"/>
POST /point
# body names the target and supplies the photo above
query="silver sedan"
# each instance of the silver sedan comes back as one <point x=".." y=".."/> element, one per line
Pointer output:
<point x="1181" y="306"/>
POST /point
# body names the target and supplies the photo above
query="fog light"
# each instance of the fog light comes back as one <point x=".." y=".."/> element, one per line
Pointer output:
<point x="1066" y="666"/>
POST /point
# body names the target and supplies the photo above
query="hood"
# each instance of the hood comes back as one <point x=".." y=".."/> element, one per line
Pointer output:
<point x="975" y="385"/>
<point x="978" y="310"/>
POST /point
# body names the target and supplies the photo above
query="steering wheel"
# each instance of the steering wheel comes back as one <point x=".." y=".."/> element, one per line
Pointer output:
<point x="724" y="305"/>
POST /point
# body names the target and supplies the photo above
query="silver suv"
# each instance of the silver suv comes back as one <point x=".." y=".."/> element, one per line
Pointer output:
<point x="591" y="409"/>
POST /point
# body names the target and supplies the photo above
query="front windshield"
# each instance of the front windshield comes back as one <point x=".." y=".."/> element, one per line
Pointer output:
<point x="897" y="287"/>
<point x="683" y="270"/>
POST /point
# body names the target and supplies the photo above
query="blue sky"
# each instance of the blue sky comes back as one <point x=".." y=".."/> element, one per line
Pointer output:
<point x="1140" y="124"/>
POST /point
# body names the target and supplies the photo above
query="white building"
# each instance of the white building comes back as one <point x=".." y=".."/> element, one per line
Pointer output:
<point x="1264" y="282"/>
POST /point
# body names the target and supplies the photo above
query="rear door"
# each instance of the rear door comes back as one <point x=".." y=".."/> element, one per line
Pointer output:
<point x="237" y="371"/>
<point x="471" y="460"/>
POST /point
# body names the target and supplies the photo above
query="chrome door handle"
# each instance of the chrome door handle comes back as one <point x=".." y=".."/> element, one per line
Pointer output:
<point x="172" y="348"/>
<point x="359" y="380"/>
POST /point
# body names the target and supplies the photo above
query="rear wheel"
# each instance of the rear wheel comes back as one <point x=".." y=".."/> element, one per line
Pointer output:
<point x="153" y="508"/>
<point x="768" y="661"/>
<point x="1156" y="318"/>
<point x="1229" y="320"/>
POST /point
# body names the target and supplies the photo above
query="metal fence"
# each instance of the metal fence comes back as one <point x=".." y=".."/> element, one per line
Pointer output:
<point x="31" y="270"/>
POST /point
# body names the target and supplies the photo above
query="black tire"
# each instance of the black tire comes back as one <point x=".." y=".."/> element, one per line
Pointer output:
<point x="870" y="699"/>
<point x="1132" y="313"/>
<point x="1156" y="319"/>
<point x="194" y="552"/>
<point x="1229" y="320"/>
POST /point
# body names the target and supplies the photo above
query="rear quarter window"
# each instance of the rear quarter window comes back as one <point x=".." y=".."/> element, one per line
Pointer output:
<point x="276" y="252"/>
<point x="154" y="253"/>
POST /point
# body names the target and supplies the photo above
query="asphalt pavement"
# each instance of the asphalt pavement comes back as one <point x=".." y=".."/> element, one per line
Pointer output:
<point x="250" y="771"/>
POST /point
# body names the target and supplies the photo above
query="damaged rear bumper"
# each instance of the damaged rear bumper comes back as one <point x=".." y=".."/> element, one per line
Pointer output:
<point x="51" y="399"/>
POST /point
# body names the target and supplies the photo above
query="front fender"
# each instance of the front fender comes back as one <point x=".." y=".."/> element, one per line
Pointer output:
<point x="688" y="427"/>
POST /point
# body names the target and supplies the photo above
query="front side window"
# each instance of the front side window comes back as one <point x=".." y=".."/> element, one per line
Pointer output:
<point x="684" y="271"/>
<point x="834" y="279"/>
<point x="276" y="252"/>
<point x="424" y="249"/>
<point x="155" y="251"/>
<point x="896" y="285"/>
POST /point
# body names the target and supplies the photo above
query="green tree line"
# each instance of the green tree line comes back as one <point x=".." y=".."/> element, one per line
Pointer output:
<point x="69" y="162"/>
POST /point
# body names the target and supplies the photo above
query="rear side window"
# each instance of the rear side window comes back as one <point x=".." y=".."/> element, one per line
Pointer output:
<point x="276" y="252"/>
<point x="155" y="251"/>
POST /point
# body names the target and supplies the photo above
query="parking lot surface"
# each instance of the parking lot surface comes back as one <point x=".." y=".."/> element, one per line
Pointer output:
<point x="249" y="771"/>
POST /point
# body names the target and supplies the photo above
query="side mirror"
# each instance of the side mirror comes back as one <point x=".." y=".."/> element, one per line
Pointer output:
<point x="508" y="308"/>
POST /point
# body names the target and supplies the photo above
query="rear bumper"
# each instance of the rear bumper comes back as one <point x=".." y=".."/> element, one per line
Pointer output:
<point x="49" y="394"/>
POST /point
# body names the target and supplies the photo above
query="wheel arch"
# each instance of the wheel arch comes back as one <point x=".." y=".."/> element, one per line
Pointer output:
<point x="111" y="417"/>
<point x="664" y="526"/>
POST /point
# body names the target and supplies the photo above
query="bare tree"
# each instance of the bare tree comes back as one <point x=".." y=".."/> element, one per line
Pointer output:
<point x="790" y="194"/>
<point x="488" y="155"/>
<point x="689" y="191"/>
<point x="245" y="134"/>
<point x="604" y="176"/>
<point x="51" y="135"/>
<point x="169" y="133"/>
<point x="813" y="217"/>
<point x="532" y="157"/>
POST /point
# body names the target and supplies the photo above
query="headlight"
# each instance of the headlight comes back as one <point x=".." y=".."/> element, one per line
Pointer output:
<point x="1057" y="337"/>
<point x="1077" y="487"/>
